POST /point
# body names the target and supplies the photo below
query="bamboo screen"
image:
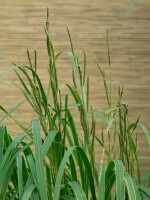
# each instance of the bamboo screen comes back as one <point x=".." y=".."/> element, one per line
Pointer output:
<point x="21" y="27"/>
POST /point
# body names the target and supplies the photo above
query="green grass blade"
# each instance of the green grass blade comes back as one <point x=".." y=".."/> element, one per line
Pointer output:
<point x="115" y="173"/>
<point x="9" y="150"/>
<point x="119" y="179"/>
<point x="130" y="187"/>
<point x="32" y="178"/>
<point x="75" y="94"/>
<point x="134" y="150"/>
<point x="73" y="168"/>
<point x="72" y="55"/>
<point x="35" y="60"/>
<point x="43" y="95"/>
<point x="62" y="167"/>
<point x="74" y="79"/>
<point x="36" y="77"/>
<point x="49" y="178"/>
<point x="60" y="172"/>
<point x="29" y="58"/>
<point x="72" y="127"/>
<point x="2" y="135"/>
<point x="85" y="63"/>
<point x="28" y="192"/>
<point x="39" y="159"/>
<point x="74" y="140"/>
<point x="5" y="179"/>
<point x="29" y="181"/>
<point x="146" y="133"/>
<point x="20" y="176"/>
<point x="9" y="162"/>
<point x="23" y="84"/>
<point x="48" y="141"/>
<point x="102" y="144"/>
<point x="88" y="171"/>
<point x="88" y="93"/>
<point x="138" y="195"/>
<point x="101" y="186"/>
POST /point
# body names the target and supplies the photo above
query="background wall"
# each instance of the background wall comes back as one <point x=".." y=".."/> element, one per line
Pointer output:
<point x="21" y="27"/>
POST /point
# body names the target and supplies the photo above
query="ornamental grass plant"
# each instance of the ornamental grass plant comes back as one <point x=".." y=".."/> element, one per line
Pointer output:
<point x="49" y="160"/>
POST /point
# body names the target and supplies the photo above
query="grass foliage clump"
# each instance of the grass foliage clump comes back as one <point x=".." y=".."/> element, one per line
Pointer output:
<point x="49" y="161"/>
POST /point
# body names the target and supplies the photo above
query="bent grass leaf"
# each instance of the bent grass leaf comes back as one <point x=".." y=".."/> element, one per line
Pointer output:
<point x="144" y="190"/>
<point x="7" y="71"/>
<point x="78" y="191"/>
<point x="146" y="133"/>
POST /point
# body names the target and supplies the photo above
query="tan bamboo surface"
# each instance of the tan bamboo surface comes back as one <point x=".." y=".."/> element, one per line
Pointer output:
<point x="21" y="27"/>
